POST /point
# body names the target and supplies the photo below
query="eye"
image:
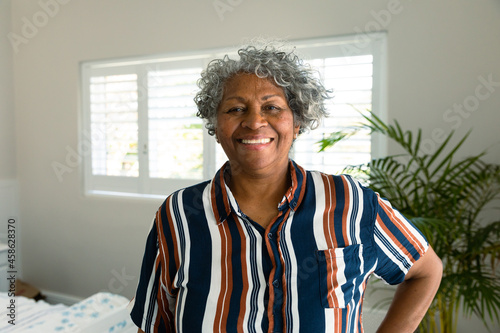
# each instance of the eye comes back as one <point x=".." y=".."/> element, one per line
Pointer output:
<point x="235" y="109"/>
<point x="272" y="108"/>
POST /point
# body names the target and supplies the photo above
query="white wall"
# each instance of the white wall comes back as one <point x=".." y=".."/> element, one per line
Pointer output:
<point x="79" y="245"/>
<point x="8" y="182"/>
<point x="7" y="122"/>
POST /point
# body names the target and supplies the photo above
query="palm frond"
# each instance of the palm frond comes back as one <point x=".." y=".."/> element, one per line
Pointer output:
<point x="336" y="137"/>
<point x="445" y="198"/>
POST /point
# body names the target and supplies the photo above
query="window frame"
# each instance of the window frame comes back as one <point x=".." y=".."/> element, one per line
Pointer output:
<point x="143" y="185"/>
<point x="369" y="43"/>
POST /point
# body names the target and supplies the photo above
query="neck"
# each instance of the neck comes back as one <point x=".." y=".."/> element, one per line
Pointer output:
<point x="259" y="194"/>
<point x="254" y="183"/>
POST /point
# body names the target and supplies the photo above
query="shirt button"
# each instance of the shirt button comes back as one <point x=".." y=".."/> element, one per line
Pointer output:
<point x="270" y="235"/>
<point x="276" y="283"/>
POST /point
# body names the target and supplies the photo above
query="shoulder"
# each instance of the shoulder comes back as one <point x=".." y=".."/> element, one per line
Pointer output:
<point x="186" y="196"/>
<point x="340" y="181"/>
<point x="342" y="188"/>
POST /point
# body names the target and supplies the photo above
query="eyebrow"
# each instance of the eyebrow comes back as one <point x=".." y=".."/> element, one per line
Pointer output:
<point x="264" y="98"/>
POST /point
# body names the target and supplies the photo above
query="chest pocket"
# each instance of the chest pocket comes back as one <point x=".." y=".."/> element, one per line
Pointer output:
<point x="339" y="270"/>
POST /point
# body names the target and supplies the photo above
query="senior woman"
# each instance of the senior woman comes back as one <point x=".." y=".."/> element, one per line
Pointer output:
<point x="267" y="246"/>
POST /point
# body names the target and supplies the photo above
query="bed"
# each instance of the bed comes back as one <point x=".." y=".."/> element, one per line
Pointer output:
<point x="102" y="312"/>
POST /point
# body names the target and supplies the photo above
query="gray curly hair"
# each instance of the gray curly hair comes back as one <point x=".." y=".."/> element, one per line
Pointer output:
<point x="304" y="91"/>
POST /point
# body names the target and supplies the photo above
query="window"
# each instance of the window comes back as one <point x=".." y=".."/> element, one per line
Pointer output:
<point x="140" y="117"/>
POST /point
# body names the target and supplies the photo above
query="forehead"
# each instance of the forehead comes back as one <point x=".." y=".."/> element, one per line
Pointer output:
<point x="242" y="83"/>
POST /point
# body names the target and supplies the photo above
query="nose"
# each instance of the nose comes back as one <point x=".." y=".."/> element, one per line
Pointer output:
<point x="254" y="118"/>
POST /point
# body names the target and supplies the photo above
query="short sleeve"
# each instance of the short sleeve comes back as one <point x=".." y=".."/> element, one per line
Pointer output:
<point x="152" y="305"/>
<point x="399" y="243"/>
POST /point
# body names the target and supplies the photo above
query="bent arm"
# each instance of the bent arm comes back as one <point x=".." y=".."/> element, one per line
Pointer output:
<point x="414" y="295"/>
<point x="140" y="331"/>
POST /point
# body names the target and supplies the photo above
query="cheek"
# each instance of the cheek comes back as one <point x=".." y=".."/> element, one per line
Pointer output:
<point x="287" y="127"/>
<point x="224" y="132"/>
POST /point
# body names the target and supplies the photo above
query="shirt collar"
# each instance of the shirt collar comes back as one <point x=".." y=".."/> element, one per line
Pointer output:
<point x="220" y="195"/>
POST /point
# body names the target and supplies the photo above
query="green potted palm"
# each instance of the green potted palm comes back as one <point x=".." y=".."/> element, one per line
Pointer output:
<point x="448" y="199"/>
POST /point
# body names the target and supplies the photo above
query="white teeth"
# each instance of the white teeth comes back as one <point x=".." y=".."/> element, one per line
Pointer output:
<point x="255" y="142"/>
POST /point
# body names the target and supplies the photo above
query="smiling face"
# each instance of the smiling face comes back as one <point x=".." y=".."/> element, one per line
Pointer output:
<point x="255" y="125"/>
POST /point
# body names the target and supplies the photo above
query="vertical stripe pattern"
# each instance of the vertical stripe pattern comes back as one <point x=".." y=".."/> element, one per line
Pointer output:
<point x="208" y="267"/>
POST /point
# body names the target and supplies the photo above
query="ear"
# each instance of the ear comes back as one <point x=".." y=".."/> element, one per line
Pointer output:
<point x="216" y="136"/>
<point x="296" y="130"/>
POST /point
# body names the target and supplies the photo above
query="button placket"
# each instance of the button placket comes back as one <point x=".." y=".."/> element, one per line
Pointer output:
<point x="276" y="279"/>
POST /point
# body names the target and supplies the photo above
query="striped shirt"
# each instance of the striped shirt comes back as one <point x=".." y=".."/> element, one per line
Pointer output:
<point x="208" y="267"/>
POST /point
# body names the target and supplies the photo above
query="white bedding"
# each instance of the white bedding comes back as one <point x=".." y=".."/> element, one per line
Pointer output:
<point x="102" y="312"/>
